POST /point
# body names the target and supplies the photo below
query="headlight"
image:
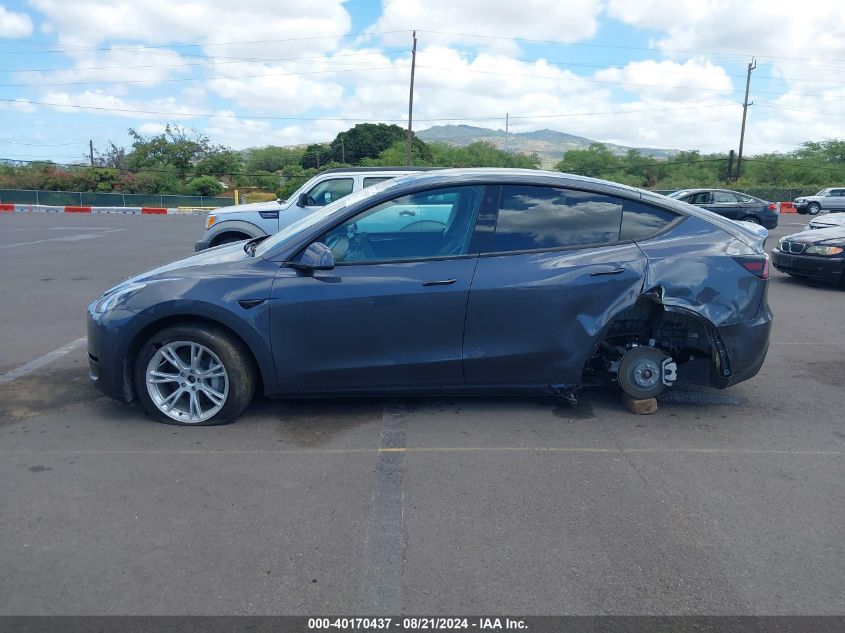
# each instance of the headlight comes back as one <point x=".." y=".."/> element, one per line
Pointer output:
<point x="209" y="222"/>
<point x="824" y="250"/>
<point x="114" y="298"/>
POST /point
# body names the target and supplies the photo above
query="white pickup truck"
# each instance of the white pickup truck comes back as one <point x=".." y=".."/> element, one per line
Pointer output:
<point x="246" y="221"/>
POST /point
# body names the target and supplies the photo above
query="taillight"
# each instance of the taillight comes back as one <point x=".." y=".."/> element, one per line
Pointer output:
<point x="756" y="265"/>
<point x="772" y="207"/>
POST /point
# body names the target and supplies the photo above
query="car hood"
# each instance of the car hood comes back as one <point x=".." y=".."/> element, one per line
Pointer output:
<point x="211" y="257"/>
<point x="829" y="237"/>
<point x="254" y="207"/>
<point x="834" y="219"/>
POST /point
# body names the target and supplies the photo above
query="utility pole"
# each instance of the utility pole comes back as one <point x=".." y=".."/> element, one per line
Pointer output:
<point x="342" y="152"/>
<point x="751" y="66"/>
<point x="730" y="165"/>
<point x="507" y="120"/>
<point x="91" y="151"/>
<point x="410" y="137"/>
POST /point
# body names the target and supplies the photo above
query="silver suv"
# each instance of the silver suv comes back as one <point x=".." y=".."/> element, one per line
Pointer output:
<point x="246" y="221"/>
<point x="832" y="199"/>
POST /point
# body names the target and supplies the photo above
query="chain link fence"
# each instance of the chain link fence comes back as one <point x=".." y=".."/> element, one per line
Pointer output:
<point x="94" y="199"/>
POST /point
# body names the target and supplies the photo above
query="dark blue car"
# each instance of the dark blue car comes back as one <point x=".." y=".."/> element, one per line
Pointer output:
<point x="455" y="281"/>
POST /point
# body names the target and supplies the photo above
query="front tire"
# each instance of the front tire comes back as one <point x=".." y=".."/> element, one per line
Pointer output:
<point x="751" y="218"/>
<point x="814" y="208"/>
<point x="194" y="376"/>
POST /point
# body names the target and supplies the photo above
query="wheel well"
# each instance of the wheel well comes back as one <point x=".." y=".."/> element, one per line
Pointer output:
<point x="219" y="238"/>
<point x="156" y="326"/>
<point x="686" y="337"/>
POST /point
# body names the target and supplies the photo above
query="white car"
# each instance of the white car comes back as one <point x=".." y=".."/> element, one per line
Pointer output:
<point x="826" y="221"/>
<point x="246" y="221"/>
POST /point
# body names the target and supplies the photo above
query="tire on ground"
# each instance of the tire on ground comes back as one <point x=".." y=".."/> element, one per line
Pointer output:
<point x="234" y="356"/>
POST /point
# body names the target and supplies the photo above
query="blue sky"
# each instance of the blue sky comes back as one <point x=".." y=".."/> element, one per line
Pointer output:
<point x="655" y="73"/>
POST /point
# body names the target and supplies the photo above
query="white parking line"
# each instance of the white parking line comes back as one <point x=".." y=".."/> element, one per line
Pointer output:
<point x="38" y="363"/>
<point x="64" y="238"/>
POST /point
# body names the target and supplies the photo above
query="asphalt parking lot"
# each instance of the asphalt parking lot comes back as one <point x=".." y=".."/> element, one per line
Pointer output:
<point x="727" y="502"/>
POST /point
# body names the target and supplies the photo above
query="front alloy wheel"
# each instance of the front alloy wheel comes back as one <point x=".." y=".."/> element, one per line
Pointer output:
<point x="193" y="376"/>
<point x="187" y="382"/>
<point x="814" y="208"/>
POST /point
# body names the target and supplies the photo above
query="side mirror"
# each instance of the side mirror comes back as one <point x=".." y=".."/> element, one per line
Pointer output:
<point x="302" y="200"/>
<point x="317" y="256"/>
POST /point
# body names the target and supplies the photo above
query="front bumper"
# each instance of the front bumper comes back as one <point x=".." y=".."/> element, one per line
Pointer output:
<point x="107" y="347"/>
<point x="812" y="266"/>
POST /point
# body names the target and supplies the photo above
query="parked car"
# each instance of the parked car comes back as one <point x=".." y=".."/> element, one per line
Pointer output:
<point x="832" y="200"/>
<point x="732" y="204"/>
<point x="496" y="281"/>
<point x="818" y="254"/>
<point x="826" y="221"/>
<point x="246" y="221"/>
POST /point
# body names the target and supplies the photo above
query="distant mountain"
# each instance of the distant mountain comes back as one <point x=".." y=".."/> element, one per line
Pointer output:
<point x="550" y="145"/>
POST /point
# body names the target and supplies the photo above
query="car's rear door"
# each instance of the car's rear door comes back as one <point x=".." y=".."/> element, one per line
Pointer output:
<point x="561" y="264"/>
<point x="725" y="204"/>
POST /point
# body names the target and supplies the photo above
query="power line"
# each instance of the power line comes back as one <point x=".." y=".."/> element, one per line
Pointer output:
<point x="184" y="79"/>
<point x="210" y="62"/>
<point x="204" y="44"/>
<point x="356" y="119"/>
<point x="619" y="46"/>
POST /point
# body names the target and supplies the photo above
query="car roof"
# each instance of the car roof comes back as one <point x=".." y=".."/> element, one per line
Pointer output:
<point x="508" y="175"/>
<point x="367" y="170"/>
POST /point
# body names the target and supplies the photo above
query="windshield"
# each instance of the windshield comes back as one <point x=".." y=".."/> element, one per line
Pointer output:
<point x="676" y="194"/>
<point x="318" y="216"/>
<point x="822" y="192"/>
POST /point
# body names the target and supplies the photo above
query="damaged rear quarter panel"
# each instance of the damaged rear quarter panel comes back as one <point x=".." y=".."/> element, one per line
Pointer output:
<point x="691" y="268"/>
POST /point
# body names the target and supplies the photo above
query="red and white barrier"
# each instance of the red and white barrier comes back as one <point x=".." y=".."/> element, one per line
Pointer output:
<point x="44" y="208"/>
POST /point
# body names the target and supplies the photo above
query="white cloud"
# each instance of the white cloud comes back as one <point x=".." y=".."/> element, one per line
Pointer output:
<point x="567" y="21"/>
<point x="17" y="105"/>
<point x="211" y="23"/>
<point x="694" y="80"/>
<point x="14" y="24"/>
<point x="102" y="103"/>
<point x="140" y="65"/>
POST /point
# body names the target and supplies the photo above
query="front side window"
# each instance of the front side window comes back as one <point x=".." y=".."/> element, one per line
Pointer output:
<point x="328" y="191"/>
<point x="436" y="223"/>
<point x="702" y="197"/>
<point x="539" y="218"/>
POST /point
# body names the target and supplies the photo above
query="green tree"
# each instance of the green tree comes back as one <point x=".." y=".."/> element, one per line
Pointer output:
<point x="368" y="140"/>
<point x="272" y="158"/>
<point x="205" y="186"/>
<point x="219" y="163"/>
<point x="315" y="156"/>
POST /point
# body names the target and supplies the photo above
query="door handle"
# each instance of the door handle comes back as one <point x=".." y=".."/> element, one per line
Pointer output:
<point x="615" y="271"/>
<point x="407" y="212"/>
<point x="440" y="282"/>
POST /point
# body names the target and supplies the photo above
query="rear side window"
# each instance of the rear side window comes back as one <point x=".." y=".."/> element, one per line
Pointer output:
<point x="540" y="218"/>
<point x="640" y="221"/>
<point x="373" y="180"/>
<point x="723" y="197"/>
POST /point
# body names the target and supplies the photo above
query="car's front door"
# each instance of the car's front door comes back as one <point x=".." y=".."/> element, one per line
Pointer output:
<point x="390" y="315"/>
<point x="837" y="200"/>
<point x="563" y="263"/>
